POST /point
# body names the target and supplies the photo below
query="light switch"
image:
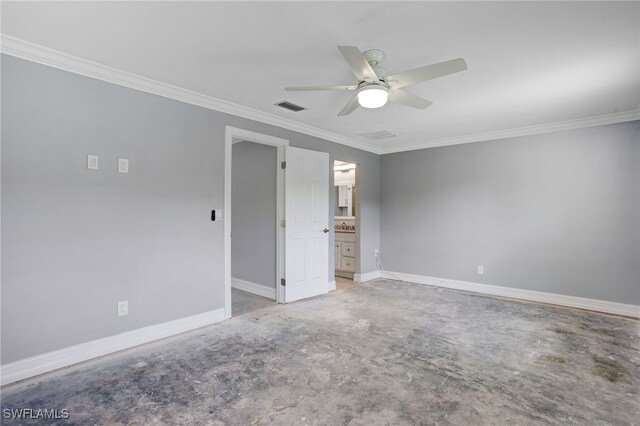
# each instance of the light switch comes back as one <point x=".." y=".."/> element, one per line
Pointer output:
<point x="480" y="270"/>
<point x="123" y="165"/>
<point x="216" y="215"/>
<point x="92" y="162"/>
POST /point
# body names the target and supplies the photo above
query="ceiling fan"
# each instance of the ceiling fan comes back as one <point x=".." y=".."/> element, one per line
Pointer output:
<point x="375" y="87"/>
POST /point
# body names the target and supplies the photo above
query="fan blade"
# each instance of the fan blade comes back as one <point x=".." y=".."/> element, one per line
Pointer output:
<point x="400" y="96"/>
<point x="299" y="88"/>
<point x="426" y="73"/>
<point x="350" y="107"/>
<point x="358" y="63"/>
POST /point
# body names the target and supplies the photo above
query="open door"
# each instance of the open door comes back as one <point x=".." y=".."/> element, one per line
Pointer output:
<point x="306" y="212"/>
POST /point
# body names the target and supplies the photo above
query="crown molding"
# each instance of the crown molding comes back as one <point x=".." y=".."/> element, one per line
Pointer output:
<point x="43" y="55"/>
<point x="599" y="120"/>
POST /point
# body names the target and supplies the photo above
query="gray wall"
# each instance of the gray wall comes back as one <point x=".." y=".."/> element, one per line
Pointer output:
<point x="76" y="241"/>
<point x="558" y="212"/>
<point x="253" y="213"/>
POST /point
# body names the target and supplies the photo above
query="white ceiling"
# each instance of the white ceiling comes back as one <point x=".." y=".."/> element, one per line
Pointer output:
<point x="530" y="63"/>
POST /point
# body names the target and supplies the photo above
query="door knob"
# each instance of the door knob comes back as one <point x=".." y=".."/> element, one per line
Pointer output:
<point x="325" y="230"/>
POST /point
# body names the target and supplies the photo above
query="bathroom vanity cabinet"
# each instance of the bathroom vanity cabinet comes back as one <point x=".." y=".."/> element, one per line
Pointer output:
<point x="345" y="253"/>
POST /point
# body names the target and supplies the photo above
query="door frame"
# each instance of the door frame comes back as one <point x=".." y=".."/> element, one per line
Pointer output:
<point x="234" y="135"/>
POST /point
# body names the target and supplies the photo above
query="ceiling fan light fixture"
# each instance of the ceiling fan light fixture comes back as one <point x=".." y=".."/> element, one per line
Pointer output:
<point x="374" y="85"/>
<point x="373" y="96"/>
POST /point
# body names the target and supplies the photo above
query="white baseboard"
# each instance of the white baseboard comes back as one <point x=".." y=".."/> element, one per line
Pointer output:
<point x="254" y="288"/>
<point x="368" y="276"/>
<point x="516" y="293"/>
<point x="39" y="364"/>
<point x="332" y="285"/>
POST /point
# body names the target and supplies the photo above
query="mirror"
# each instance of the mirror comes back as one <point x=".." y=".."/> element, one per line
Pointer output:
<point x="345" y="189"/>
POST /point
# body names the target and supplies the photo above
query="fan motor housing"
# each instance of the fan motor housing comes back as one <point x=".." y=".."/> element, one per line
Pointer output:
<point x="374" y="56"/>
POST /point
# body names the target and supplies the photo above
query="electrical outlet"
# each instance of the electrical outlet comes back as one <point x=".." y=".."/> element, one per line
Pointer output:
<point x="480" y="270"/>
<point x="123" y="165"/>
<point x="92" y="162"/>
<point x="376" y="252"/>
<point x="123" y="308"/>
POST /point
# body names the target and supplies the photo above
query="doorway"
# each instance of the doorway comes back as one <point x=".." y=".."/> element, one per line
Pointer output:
<point x="345" y="213"/>
<point x="236" y="136"/>
<point x="253" y="215"/>
<point x="301" y="225"/>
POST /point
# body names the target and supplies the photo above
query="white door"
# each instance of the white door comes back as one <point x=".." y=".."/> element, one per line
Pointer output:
<point x="306" y="212"/>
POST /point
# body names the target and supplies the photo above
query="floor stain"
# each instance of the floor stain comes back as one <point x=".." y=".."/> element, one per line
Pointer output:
<point x="553" y="359"/>
<point x="609" y="369"/>
<point x="563" y="331"/>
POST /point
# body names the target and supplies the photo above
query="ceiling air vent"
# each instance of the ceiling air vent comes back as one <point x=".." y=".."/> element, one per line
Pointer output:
<point x="290" y="106"/>
<point x="380" y="134"/>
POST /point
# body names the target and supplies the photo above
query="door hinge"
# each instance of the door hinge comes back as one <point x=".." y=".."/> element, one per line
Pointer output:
<point x="283" y="164"/>
<point x="283" y="223"/>
<point x="283" y="282"/>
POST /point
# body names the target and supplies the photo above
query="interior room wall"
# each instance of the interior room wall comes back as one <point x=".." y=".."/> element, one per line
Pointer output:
<point x="253" y="213"/>
<point x="557" y="212"/>
<point x="77" y="241"/>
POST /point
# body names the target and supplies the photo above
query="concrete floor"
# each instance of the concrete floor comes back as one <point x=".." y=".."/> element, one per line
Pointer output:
<point x="377" y="353"/>
<point x="243" y="302"/>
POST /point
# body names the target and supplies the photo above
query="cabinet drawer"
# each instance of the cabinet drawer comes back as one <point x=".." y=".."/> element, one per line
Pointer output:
<point x="348" y="249"/>
<point x="349" y="237"/>
<point x="348" y="264"/>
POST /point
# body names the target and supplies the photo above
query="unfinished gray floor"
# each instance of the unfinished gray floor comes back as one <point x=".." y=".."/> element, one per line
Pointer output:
<point x="243" y="302"/>
<point x="376" y="353"/>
